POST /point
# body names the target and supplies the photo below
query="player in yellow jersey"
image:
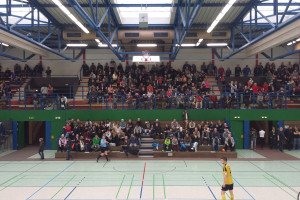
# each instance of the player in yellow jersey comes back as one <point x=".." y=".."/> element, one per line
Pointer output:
<point x="227" y="180"/>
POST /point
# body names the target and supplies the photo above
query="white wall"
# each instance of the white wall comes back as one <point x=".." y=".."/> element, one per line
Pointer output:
<point x="60" y="66"/>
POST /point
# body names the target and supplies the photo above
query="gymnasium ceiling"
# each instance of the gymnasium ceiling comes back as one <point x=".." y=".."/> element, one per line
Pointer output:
<point x="162" y="16"/>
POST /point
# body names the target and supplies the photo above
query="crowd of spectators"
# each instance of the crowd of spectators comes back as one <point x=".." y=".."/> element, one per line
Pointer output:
<point x="162" y="86"/>
<point x="85" y="136"/>
<point x="27" y="71"/>
<point x="287" y="137"/>
<point x="276" y="86"/>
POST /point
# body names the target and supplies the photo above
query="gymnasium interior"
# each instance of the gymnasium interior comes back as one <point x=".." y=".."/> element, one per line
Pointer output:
<point x="140" y="99"/>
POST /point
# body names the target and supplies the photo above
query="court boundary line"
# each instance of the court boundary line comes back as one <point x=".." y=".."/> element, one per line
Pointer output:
<point x="21" y="173"/>
<point x="74" y="188"/>
<point x="63" y="186"/>
<point x="120" y="187"/>
<point x="164" y="186"/>
<point x="130" y="187"/>
<point x="143" y="178"/>
<point x="244" y="189"/>
<point x="209" y="188"/>
<point x="277" y="179"/>
<point x="219" y="184"/>
<point x="153" y="185"/>
<point x="50" y="180"/>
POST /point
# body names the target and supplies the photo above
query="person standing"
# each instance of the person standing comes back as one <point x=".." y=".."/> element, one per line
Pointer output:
<point x="253" y="136"/>
<point x="296" y="144"/>
<point x="262" y="138"/>
<point x="227" y="180"/>
<point x="273" y="138"/>
<point x="103" y="148"/>
<point x="41" y="148"/>
<point x="281" y="139"/>
<point x="68" y="148"/>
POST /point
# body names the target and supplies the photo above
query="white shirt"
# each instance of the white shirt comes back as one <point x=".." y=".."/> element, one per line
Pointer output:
<point x="262" y="133"/>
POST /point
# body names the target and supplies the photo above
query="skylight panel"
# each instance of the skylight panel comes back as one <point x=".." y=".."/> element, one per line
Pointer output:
<point x="156" y="15"/>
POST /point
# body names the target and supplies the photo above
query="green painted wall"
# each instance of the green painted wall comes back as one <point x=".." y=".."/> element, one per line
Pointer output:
<point x="235" y="117"/>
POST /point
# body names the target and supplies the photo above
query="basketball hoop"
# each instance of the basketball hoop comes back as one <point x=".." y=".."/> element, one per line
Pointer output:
<point x="146" y="56"/>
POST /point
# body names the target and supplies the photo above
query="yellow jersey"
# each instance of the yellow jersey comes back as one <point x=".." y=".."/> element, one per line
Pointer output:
<point x="227" y="174"/>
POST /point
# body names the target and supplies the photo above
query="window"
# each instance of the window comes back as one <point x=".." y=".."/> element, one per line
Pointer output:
<point x="267" y="9"/>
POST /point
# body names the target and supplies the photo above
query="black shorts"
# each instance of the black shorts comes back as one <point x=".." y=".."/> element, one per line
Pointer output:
<point x="103" y="149"/>
<point x="227" y="187"/>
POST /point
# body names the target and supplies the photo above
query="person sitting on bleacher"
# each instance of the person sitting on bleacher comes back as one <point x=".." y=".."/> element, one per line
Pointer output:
<point x="62" y="143"/>
<point x="167" y="144"/>
<point x="96" y="143"/>
<point x="229" y="143"/>
<point x="175" y="143"/>
<point x="134" y="145"/>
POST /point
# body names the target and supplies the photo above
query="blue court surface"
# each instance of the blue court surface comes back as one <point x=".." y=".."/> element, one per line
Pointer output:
<point x="146" y="179"/>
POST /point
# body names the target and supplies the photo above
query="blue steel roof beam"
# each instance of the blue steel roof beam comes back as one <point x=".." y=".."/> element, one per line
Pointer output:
<point x="15" y="33"/>
<point x="92" y="10"/>
<point x="175" y="26"/>
<point x="285" y="11"/>
<point x="43" y="10"/>
<point x="267" y="33"/>
<point x="1" y="21"/>
<point x="204" y="5"/>
<point x="112" y="12"/>
<point x="11" y="57"/>
<point x="103" y="17"/>
<point x="113" y="35"/>
<point x="182" y="18"/>
<point x="194" y="13"/>
<point x="245" y="11"/>
<point x="265" y="55"/>
<point x="17" y="22"/>
<point x="94" y="26"/>
<point x="242" y="34"/>
<point x="264" y="17"/>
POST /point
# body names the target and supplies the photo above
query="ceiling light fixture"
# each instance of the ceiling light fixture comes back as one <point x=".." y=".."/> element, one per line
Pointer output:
<point x="105" y="45"/>
<point x="70" y="15"/>
<point x="146" y="45"/>
<point x="4" y="44"/>
<point x="199" y="42"/>
<point x="77" y="45"/>
<point x="216" y="44"/>
<point x="221" y="15"/>
<point x="188" y="45"/>
<point x="97" y="40"/>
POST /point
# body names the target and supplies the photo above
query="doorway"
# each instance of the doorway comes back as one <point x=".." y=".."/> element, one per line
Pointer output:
<point x="263" y="125"/>
<point x="33" y="131"/>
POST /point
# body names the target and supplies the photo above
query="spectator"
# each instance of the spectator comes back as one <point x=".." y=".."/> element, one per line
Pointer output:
<point x="262" y="138"/>
<point x="62" y="143"/>
<point x="273" y="138"/>
<point x="96" y="143"/>
<point x="253" y="137"/>
<point x="48" y="72"/>
<point x="281" y="139"/>
<point x="229" y="143"/>
<point x="237" y="71"/>
<point x="167" y="144"/>
<point x="296" y="138"/>
<point x="175" y="146"/>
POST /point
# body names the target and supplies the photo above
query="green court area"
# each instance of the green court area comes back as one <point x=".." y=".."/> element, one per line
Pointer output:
<point x="148" y="179"/>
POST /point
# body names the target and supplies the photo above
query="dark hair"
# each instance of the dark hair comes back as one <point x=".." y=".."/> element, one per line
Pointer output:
<point x="224" y="158"/>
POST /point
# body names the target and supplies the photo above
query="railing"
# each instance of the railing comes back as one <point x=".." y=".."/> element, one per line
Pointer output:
<point x="93" y="100"/>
